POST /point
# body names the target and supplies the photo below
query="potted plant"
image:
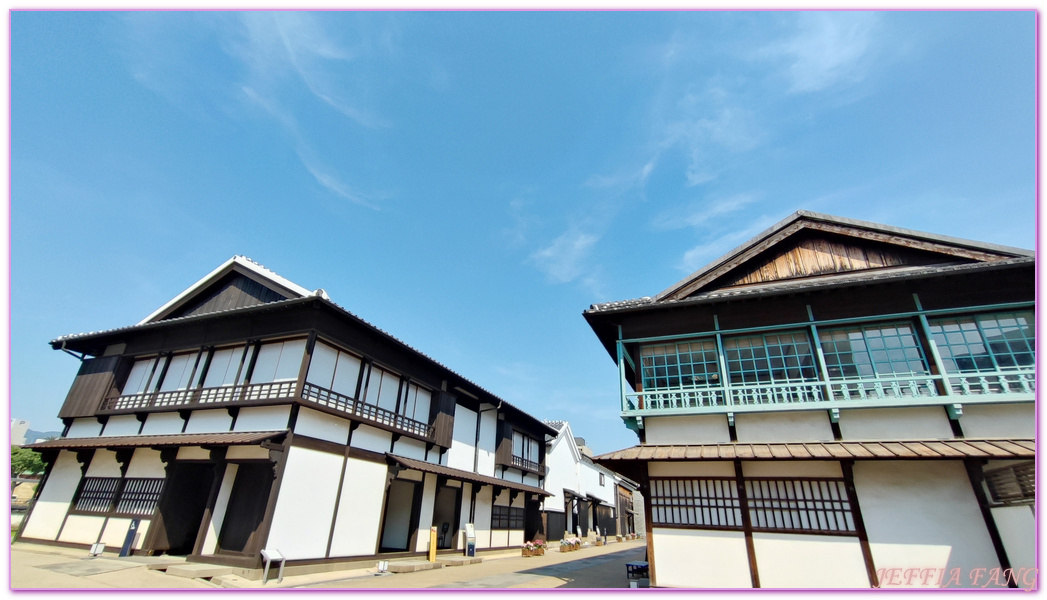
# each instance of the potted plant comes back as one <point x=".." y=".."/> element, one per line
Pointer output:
<point x="527" y="549"/>
<point x="538" y="547"/>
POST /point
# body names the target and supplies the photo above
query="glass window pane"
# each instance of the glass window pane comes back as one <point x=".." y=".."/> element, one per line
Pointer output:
<point x="322" y="365"/>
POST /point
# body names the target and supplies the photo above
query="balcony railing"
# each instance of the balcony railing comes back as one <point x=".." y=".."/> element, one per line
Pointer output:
<point x="350" y="406"/>
<point x="528" y="465"/>
<point x="913" y="390"/>
<point x="205" y="396"/>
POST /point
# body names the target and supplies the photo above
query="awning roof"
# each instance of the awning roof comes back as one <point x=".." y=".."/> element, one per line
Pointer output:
<point x="887" y="450"/>
<point x="158" y="441"/>
<point x="427" y="467"/>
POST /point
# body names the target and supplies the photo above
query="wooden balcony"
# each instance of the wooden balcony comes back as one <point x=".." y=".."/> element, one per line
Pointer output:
<point x="528" y="465"/>
<point x="916" y="390"/>
<point x="262" y="393"/>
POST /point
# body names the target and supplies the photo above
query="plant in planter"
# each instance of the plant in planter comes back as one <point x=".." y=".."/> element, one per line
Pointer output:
<point x="527" y="549"/>
<point x="539" y="547"/>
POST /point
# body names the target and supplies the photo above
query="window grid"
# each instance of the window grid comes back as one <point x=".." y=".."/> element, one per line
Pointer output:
<point x="809" y="505"/>
<point x="985" y="342"/>
<point x="684" y="364"/>
<point x="771" y="358"/>
<point x="507" y="517"/>
<point x="132" y="496"/>
<point x="802" y="505"/>
<point x="868" y="351"/>
<point x="97" y="494"/>
<point x="709" y="502"/>
<point x="139" y="496"/>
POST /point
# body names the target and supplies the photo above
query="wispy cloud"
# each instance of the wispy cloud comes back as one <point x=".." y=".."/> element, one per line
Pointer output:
<point x="827" y="49"/>
<point x="703" y="213"/>
<point x="702" y="254"/>
<point x="566" y="258"/>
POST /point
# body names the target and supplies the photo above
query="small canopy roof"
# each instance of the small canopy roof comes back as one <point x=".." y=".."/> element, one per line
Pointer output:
<point x="158" y="441"/>
<point x="427" y="467"/>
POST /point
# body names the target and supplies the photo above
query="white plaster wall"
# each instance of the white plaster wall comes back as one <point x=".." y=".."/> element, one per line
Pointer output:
<point x="694" y="558"/>
<point x="1017" y="527"/>
<point x="162" y="423"/>
<point x="81" y="529"/>
<point x="499" y="538"/>
<point x="116" y="530"/>
<point x="488" y="434"/>
<point x="369" y="438"/>
<point x="121" y="425"/>
<point x="103" y="464"/>
<point x="696" y="429"/>
<point x="999" y="420"/>
<point x="924" y="515"/>
<point x="719" y="468"/>
<point x="146" y="463"/>
<point x="316" y="424"/>
<point x="809" y="561"/>
<point x="218" y="516"/>
<point x="799" y="468"/>
<point x="360" y="509"/>
<point x="308" y="487"/>
<point x="53" y="503"/>
<point x="209" y="421"/>
<point x="516" y="537"/>
<point x="532" y="479"/>
<point x="913" y="423"/>
<point x="410" y="448"/>
<point x="264" y="418"/>
<point x="193" y="453"/>
<point x="425" y="513"/>
<point x="562" y="473"/>
<point x="784" y="426"/>
<point x="246" y="453"/>
<point x="87" y="427"/>
<point x="463" y="436"/>
<point x="483" y="517"/>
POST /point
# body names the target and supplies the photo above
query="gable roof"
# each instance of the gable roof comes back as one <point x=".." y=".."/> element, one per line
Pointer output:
<point x="236" y="283"/>
<point x="859" y="246"/>
<point x="809" y="249"/>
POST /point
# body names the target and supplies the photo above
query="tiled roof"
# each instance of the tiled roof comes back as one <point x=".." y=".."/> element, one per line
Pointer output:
<point x="891" y="450"/>
<point x="428" y="467"/>
<point x="811" y="283"/>
<point x="167" y="440"/>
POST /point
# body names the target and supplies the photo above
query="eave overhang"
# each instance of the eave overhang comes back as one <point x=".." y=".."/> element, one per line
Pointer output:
<point x="159" y="441"/>
<point x="427" y="467"/>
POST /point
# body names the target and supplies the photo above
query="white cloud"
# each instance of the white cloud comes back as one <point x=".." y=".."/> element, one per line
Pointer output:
<point x="703" y="213"/>
<point x="566" y="258"/>
<point x="702" y="254"/>
<point x="829" y="48"/>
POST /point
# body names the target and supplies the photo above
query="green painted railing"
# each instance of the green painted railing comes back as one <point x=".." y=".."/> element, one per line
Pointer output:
<point x="913" y="390"/>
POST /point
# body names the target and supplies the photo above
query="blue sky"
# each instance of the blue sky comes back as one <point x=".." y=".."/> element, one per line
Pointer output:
<point x="471" y="182"/>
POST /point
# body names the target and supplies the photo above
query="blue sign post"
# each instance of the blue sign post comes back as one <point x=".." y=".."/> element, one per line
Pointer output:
<point x="129" y="540"/>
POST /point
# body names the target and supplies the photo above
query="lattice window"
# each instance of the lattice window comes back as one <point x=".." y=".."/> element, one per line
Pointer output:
<point x="507" y="517"/>
<point x="710" y="502"/>
<point x="986" y="342"/>
<point x="1012" y="485"/>
<point x="684" y="364"/>
<point x="133" y="496"/>
<point x="772" y="358"/>
<point x="139" y="496"/>
<point x="97" y="494"/>
<point x="799" y="505"/>
<point x="886" y="349"/>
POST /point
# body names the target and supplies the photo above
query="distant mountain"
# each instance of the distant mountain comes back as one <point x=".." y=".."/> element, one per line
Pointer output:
<point x="32" y="435"/>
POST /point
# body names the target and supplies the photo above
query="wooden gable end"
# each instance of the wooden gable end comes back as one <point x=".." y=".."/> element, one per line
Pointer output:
<point x="812" y="246"/>
<point x="234" y="290"/>
<point x="809" y="255"/>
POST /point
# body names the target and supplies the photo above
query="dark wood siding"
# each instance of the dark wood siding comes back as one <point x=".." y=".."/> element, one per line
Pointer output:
<point x="442" y="417"/>
<point x="92" y="383"/>
<point x="232" y="291"/>
<point x="825" y="254"/>
<point x="503" y="454"/>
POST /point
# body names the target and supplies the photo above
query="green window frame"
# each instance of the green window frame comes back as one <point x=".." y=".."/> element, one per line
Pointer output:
<point x="986" y="342"/>
<point x="781" y="357"/>
<point x="869" y="351"/>
<point x="692" y="363"/>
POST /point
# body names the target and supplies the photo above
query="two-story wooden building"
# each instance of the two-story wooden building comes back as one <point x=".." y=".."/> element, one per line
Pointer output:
<point x="249" y="413"/>
<point x="835" y="403"/>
